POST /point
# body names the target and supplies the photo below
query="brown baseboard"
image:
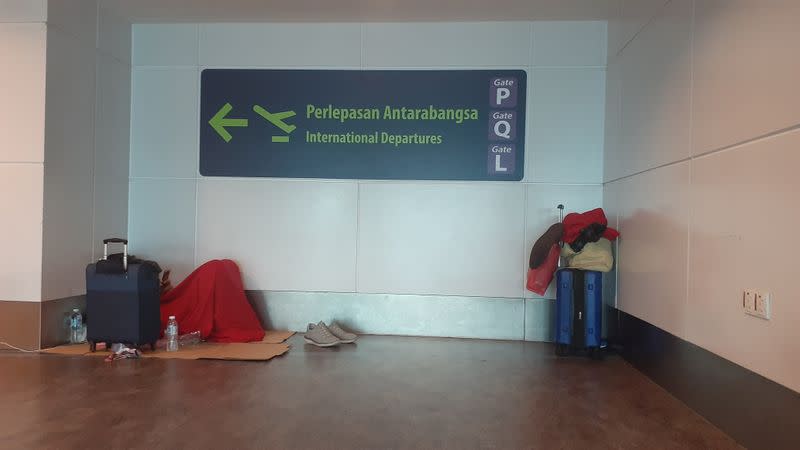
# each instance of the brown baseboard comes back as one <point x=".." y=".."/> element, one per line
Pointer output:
<point x="757" y="412"/>
<point x="35" y="325"/>
<point x="20" y="323"/>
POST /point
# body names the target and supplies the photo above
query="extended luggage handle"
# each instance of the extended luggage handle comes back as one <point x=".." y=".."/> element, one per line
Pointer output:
<point x="560" y="220"/>
<point x="124" y="243"/>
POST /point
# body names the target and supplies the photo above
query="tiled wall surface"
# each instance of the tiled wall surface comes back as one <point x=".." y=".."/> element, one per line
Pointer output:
<point x="432" y="242"/>
<point x="701" y="171"/>
<point x="86" y="140"/>
<point x="23" y="46"/>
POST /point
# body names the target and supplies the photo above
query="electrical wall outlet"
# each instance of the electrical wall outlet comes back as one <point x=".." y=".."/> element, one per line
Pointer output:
<point x="749" y="301"/>
<point x="757" y="303"/>
<point x="763" y="300"/>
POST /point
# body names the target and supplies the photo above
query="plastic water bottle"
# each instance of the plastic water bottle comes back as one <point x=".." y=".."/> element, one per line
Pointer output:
<point x="76" y="327"/>
<point x="172" y="334"/>
<point x="189" y="339"/>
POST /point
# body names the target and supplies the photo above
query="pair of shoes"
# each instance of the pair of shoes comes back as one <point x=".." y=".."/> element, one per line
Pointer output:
<point x="323" y="335"/>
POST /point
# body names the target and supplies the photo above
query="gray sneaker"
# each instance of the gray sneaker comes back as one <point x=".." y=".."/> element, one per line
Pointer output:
<point x="320" y="336"/>
<point x="344" y="336"/>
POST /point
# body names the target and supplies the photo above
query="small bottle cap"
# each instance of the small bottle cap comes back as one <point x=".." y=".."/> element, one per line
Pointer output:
<point x="171" y="317"/>
<point x="76" y="310"/>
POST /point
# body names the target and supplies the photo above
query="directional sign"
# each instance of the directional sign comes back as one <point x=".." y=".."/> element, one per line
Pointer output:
<point x="384" y="124"/>
<point x="219" y="122"/>
<point x="277" y="120"/>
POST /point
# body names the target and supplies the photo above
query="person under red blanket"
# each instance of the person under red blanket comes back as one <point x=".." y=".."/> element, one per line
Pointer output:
<point x="211" y="300"/>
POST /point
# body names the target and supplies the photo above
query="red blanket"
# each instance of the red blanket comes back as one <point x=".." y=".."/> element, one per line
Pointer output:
<point x="212" y="301"/>
<point x="574" y="223"/>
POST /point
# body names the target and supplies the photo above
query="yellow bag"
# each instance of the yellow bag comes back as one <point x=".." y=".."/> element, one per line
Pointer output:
<point x="594" y="256"/>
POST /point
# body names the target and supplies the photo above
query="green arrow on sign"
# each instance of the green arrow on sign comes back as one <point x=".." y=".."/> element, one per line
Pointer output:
<point x="219" y="122"/>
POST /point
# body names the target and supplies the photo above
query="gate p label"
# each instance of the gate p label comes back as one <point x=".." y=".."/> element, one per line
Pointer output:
<point x="503" y="92"/>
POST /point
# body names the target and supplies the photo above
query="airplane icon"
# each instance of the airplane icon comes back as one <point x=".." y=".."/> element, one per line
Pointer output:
<point x="277" y="119"/>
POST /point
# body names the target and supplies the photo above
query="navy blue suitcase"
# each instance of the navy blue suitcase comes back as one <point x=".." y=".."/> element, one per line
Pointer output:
<point x="122" y="301"/>
<point x="579" y="307"/>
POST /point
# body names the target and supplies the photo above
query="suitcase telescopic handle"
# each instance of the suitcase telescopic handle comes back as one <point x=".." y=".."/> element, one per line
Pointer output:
<point x="560" y="220"/>
<point x="124" y="243"/>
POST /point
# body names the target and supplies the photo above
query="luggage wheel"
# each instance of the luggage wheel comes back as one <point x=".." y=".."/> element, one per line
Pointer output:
<point x="562" y="350"/>
<point x="596" y="353"/>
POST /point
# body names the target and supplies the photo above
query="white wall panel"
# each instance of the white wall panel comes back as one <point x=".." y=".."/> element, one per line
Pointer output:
<point x="566" y="43"/>
<point x="634" y="15"/>
<point x="615" y="28"/>
<point x="449" y="239"/>
<point x="112" y="128"/>
<point x="21" y="231"/>
<point x="743" y="237"/>
<point x="112" y="152"/>
<point x="280" y="45"/>
<point x="447" y="44"/>
<point x="114" y="36"/>
<point x="165" y="45"/>
<point x="285" y="235"/>
<point x="566" y="111"/>
<point x="22" y="88"/>
<point x="653" y="222"/>
<point x="110" y="211"/>
<point x="540" y="315"/>
<point x="612" y="153"/>
<point x="746" y="67"/>
<point x="69" y="152"/>
<point x="612" y="198"/>
<point x="76" y="18"/>
<point x="23" y="10"/>
<point x="656" y="84"/>
<point x="161" y="224"/>
<point x="165" y="121"/>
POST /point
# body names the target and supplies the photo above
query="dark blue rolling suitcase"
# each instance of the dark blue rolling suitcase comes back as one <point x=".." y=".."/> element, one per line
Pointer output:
<point x="579" y="306"/>
<point x="122" y="301"/>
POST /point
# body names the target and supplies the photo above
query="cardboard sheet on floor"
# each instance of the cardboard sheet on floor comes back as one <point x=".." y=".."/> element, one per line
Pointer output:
<point x="271" y="346"/>
<point x="69" y="350"/>
<point x="229" y="352"/>
<point x="275" y="336"/>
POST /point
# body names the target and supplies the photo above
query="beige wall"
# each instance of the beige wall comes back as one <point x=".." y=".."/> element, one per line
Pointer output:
<point x="65" y="86"/>
<point x="701" y="163"/>
<point x="23" y="37"/>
